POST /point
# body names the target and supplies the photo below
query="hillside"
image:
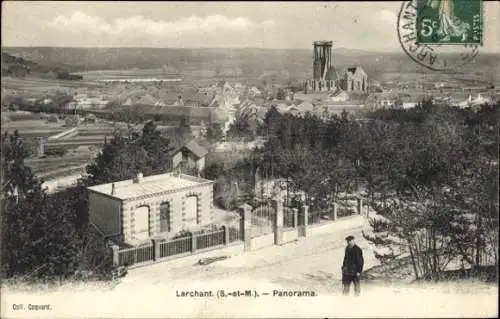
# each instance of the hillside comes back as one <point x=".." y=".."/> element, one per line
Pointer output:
<point x="16" y="66"/>
<point x="249" y="63"/>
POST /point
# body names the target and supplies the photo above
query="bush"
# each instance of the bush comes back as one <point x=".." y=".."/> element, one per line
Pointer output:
<point x="379" y="225"/>
<point x="56" y="151"/>
<point x="52" y="119"/>
<point x="182" y="234"/>
<point x="343" y="212"/>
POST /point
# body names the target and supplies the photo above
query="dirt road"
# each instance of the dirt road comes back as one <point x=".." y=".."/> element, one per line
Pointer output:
<point x="314" y="261"/>
<point x="311" y="266"/>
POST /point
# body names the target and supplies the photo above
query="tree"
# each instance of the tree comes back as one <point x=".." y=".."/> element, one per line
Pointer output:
<point x="214" y="132"/>
<point x="271" y="120"/>
<point x="440" y="190"/>
<point x="157" y="147"/>
<point x="39" y="237"/>
<point x="244" y="126"/>
<point x="126" y="155"/>
<point x="183" y="131"/>
<point x="281" y="94"/>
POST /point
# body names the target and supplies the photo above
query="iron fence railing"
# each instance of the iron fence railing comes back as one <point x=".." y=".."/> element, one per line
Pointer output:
<point x="211" y="239"/>
<point x="289" y="219"/>
<point x="176" y="246"/>
<point x="235" y="233"/>
<point x="136" y="255"/>
<point x="186" y="244"/>
<point x="317" y="216"/>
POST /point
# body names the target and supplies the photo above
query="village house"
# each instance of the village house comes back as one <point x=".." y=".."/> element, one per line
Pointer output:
<point x="84" y="101"/>
<point x="190" y="155"/>
<point x="144" y="208"/>
<point x="408" y="102"/>
<point x="253" y="92"/>
<point x="195" y="115"/>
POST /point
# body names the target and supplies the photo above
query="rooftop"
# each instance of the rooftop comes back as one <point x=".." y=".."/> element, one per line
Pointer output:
<point x="149" y="185"/>
<point x="196" y="149"/>
<point x="323" y="43"/>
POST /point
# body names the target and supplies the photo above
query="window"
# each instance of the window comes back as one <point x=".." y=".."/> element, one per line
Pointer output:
<point x="141" y="225"/>
<point x="164" y="217"/>
<point x="191" y="211"/>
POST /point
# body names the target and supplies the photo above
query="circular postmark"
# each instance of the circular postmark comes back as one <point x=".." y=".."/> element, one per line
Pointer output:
<point x="436" y="57"/>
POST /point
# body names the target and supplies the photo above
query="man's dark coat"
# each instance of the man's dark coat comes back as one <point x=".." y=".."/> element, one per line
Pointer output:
<point x="353" y="261"/>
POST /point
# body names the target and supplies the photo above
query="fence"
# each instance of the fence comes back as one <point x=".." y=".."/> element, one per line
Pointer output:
<point x="176" y="246"/>
<point x="184" y="245"/>
<point x="234" y="230"/>
<point x="488" y="256"/>
<point x="263" y="220"/>
<point x="213" y="239"/>
<point x="289" y="220"/>
<point x="136" y="255"/>
<point x="343" y="208"/>
<point x="318" y="216"/>
<point x="347" y="206"/>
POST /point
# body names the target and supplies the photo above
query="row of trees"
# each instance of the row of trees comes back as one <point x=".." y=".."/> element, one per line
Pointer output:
<point x="432" y="171"/>
<point x="42" y="235"/>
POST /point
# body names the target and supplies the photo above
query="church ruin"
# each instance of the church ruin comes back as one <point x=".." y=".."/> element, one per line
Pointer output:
<point x="325" y="77"/>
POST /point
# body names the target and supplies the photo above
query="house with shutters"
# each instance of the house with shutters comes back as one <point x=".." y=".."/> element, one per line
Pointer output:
<point x="137" y="210"/>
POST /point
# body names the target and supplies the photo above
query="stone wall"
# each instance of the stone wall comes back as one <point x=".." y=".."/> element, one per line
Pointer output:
<point x="204" y="194"/>
<point x="104" y="212"/>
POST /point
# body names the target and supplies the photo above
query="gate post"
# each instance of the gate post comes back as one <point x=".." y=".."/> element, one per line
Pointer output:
<point x="359" y="205"/>
<point x="334" y="211"/>
<point x="304" y="212"/>
<point x="156" y="249"/>
<point x="245" y="211"/>
<point x="295" y="217"/>
<point x="278" y="222"/>
<point x="116" y="252"/>
<point x="226" y="234"/>
<point x="193" y="243"/>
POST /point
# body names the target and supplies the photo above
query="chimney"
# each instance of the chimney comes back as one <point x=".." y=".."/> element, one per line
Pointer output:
<point x="180" y="101"/>
<point x="138" y="178"/>
<point x="113" y="189"/>
<point x="41" y="147"/>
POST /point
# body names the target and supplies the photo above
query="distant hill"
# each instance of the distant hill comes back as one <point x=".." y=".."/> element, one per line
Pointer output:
<point x="16" y="66"/>
<point x="247" y="59"/>
<point x="246" y="62"/>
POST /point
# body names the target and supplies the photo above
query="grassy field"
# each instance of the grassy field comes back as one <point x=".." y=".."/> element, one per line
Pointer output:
<point x="78" y="146"/>
<point x="33" y="127"/>
<point x="44" y="85"/>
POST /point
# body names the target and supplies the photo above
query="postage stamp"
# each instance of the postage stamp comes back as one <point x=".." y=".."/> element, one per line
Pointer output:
<point x="450" y="22"/>
<point x="437" y="54"/>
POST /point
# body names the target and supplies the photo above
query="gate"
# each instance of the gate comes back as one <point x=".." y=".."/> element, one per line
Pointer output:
<point x="263" y="220"/>
<point x="262" y="234"/>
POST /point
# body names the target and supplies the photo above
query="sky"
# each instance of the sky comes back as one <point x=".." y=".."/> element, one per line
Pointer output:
<point x="369" y="26"/>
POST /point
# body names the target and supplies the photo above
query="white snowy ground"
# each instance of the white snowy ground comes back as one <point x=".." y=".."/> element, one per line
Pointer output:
<point x="310" y="264"/>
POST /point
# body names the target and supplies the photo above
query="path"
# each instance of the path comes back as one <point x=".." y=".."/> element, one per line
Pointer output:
<point x="310" y="264"/>
<point x="294" y="264"/>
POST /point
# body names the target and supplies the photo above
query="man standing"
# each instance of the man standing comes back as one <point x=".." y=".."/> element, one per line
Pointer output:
<point x="352" y="266"/>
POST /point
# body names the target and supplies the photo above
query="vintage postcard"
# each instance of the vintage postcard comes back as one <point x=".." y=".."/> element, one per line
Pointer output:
<point x="250" y="159"/>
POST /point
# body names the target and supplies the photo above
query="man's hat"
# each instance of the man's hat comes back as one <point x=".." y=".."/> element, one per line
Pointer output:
<point x="349" y="237"/>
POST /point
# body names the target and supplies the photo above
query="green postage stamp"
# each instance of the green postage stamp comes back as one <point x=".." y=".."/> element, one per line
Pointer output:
<point x="450" y="22"/>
